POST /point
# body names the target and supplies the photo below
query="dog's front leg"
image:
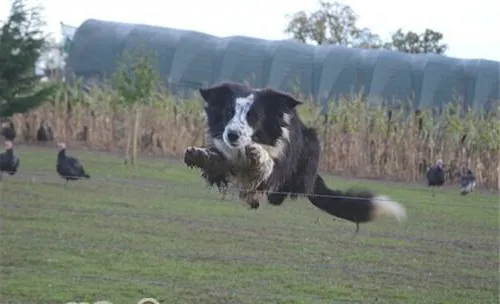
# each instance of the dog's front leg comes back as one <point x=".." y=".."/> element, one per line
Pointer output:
<point x="215" y="168"/>
<point x="260" y="167"/>
<point x="260" y="163"/>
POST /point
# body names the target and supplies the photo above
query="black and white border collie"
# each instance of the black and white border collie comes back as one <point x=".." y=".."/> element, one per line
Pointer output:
<point x="256" y="141"/>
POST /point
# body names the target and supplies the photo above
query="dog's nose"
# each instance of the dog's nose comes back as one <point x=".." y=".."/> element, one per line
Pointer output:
<point x="232" y="136"/>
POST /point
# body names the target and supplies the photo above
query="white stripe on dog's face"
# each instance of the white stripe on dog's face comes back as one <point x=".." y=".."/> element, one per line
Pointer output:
<point x="238" y="133"/>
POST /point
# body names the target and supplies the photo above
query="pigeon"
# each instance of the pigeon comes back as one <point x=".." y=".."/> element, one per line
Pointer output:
<point x="467" y="182"/>
<point x="69" y="168"/>
<point x="9" y="162"/>
<point x="435" y="176"/>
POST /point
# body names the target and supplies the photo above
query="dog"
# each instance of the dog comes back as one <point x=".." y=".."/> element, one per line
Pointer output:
<point x="256" y="141"/>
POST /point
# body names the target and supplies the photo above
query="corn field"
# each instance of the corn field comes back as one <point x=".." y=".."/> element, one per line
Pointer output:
<point x="358" y="139"/>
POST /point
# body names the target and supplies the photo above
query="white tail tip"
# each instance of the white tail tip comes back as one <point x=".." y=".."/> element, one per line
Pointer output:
<point x="385" y="206"/>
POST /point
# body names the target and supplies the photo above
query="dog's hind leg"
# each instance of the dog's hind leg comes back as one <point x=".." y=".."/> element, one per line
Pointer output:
<point x="276" y="198"/>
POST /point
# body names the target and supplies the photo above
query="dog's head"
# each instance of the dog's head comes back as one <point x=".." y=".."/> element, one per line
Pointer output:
<point x="239" y="115"/>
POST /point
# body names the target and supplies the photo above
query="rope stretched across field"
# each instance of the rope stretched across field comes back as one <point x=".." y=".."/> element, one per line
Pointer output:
<point x="161" y="184"/>
<point x="133" y="186"/>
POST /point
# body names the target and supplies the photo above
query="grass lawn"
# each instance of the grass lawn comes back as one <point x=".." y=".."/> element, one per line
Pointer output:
<point x="157" y="231"/>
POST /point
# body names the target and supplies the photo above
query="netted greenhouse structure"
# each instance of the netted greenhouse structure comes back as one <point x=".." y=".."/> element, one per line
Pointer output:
<point x="188" y="59"/>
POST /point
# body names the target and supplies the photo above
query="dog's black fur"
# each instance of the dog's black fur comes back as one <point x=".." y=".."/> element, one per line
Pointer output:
<point x="294" y="148"/>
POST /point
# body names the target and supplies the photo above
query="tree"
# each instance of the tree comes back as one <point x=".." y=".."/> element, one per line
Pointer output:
<point x="21" y="44"/>
<point x="336" y="23"/>
<point x="333" y="23"/>
<point x="410" y="42"/>
<point x="136" y="79"/>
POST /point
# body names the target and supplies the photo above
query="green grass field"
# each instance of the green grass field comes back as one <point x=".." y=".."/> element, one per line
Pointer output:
<point x="157" y="231"/>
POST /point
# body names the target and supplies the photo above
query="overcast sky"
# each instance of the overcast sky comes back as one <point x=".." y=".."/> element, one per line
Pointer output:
<point x="470" y="28"/>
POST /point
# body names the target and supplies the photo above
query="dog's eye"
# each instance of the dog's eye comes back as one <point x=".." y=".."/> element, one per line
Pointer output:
<point x="252" y="117"/>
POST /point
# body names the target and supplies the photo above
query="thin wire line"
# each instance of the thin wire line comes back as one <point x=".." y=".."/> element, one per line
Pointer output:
<point x="149" y="216"/>
<point x="134" y="181"/>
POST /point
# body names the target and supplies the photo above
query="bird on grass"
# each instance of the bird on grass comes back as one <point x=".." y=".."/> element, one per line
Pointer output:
<point x="467" y="182"/>
<point x="8" y="130"/>
<point x="9" y="162"/>
<point x="435" y="176"/>
<point x="69" y="168"/>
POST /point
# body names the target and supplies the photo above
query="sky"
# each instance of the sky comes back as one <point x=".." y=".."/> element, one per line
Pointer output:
<point x="470" y="28"/>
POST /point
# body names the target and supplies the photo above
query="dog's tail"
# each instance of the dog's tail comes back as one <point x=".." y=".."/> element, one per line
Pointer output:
<point x="354" y="205"/>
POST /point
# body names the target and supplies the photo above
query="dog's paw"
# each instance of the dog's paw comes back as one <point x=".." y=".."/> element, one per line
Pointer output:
<point x="195" y="157"/>
<point x="253" y="154"/>
<point x="251" y="198"/>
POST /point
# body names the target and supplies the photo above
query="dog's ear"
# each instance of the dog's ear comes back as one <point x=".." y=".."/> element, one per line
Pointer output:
<point x="221" y="92"/>
<point x="280" y="97"/>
